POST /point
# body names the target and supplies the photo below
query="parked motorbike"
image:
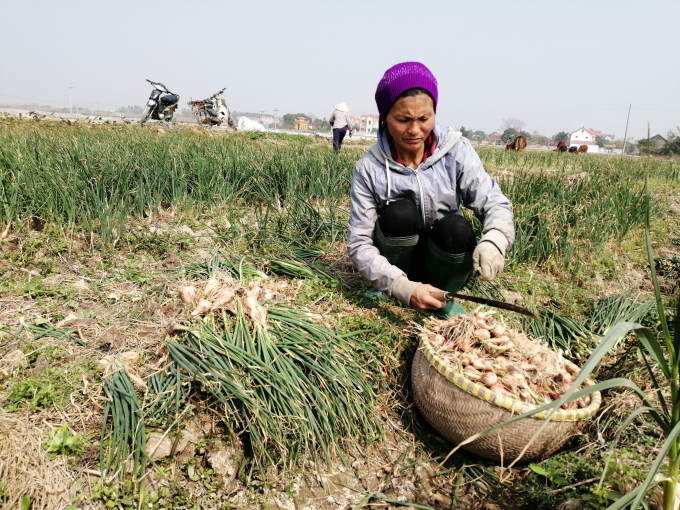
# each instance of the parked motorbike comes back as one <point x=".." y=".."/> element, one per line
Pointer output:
<point x="212" y="111"/>
<point x="161" y="105"/>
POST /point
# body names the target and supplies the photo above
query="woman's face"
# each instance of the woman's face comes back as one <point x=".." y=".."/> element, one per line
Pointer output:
<point x="410" y="121"/>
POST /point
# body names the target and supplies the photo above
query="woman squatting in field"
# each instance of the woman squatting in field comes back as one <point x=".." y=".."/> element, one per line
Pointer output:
<point x="407" y="234"/>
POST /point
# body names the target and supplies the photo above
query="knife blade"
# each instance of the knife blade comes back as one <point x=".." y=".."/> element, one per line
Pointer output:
<point x="447" y="296"/>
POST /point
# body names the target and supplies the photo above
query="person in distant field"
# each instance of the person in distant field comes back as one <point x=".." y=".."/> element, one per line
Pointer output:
<point x="407" y="233"/>
<point x="340" y="122"/>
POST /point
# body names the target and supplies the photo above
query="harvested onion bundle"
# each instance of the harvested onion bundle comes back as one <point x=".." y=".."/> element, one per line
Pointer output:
<point x="506" y="361"/>
<point x="219" y="294"/>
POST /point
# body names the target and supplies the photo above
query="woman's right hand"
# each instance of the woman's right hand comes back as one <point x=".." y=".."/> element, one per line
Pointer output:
<point x="422" y="300"/>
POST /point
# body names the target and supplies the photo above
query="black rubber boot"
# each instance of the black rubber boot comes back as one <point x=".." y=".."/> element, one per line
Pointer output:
<point x="398" y="251"/>
<point x="449" y="272"/>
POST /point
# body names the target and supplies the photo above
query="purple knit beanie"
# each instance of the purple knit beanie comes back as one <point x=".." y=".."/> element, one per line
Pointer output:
<point x="398" y="79"/>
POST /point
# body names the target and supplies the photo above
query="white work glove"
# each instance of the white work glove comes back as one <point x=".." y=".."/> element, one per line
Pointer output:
<point x="487" y="258"/>
<point x="489" y="254"/>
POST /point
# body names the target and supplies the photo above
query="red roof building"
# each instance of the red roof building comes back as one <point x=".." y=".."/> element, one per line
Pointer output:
<point x="368" y="123"/>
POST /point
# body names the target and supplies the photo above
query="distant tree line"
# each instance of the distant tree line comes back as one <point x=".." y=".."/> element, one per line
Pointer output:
<point x="511" y="133"/>
<point x="314" y="122"/>
<point x="256" y="115"/>
<point x="290" y="118"/>
<point x="130" y="109"/>
<point x="672" y="146"/>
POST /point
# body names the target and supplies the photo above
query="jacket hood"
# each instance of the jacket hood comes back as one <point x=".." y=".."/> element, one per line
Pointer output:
<point x="447" y="137"/>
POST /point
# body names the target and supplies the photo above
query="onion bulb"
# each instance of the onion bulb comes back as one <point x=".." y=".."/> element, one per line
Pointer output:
<point x="498" y="388"/>
<point x="212" y="285"/>
<point x="463" y="344"/>
<point x="470" y="372"/>
<point x="498" y="329"/>
<point x="482" y="324"/>
<point x="536" y="359"/>
<point x="187" y="294"/>
<point x="5" y="233"/>
<point x="129" y="357"/>
<point x="484" y="334"/>
<point x="257" y="313"/>
<point x="203" y="306"/>
<point x="249" y="304"/>
<point x="488" y="379"/>
<point x="565" y="379"/>
<point x="480" y="365"/>
<point x="253" y="289"/>
<point x="260" y="314"/>
<point x="106" y="360"/>
<point x="510" y="381"/>
<point x="438" y="340"/>
<point x="223" y="298"/>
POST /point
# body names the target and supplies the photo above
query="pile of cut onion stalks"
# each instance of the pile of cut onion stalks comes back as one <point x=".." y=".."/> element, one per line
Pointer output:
<point x="275" y="371"/>
<point x="504" y="360"/>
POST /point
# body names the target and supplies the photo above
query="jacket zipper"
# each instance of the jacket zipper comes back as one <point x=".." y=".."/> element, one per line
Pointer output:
<point x="422" y="198"/>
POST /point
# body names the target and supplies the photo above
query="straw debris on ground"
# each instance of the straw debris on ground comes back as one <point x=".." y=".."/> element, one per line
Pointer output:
<point x="25" y="468"/>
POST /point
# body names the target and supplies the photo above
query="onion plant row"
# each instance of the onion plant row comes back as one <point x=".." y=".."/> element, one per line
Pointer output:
<point x="275" y="194"/>
<point x="95" y="179"/>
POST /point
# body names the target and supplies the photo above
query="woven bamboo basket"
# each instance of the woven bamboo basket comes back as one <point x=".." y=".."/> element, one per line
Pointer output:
<point x="458" y="408"/>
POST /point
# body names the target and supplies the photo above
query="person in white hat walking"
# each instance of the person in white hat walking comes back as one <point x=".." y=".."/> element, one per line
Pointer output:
<point x="340" y="122"/>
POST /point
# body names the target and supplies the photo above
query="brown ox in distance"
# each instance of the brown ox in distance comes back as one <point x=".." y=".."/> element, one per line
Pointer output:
<point x="561" y="147"/>
<point x="582" y="149"/>
<point x="517" y="145"/>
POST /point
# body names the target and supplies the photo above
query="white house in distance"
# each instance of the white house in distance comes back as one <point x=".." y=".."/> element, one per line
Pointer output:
<point x="583" y="136"/>
<point x="269" y="121"/>
<point x="580" y="136"/>
<point x="368" y="123"/>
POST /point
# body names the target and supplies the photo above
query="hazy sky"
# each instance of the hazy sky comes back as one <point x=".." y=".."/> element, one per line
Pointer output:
<point x="555" y="65"/>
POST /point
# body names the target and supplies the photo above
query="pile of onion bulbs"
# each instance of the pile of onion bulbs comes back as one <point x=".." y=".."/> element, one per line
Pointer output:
<point x="504" y="360"/>
<point x="220" y="294"/>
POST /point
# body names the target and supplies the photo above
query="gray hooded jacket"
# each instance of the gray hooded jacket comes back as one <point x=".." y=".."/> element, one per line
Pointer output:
<point x="453" y="176"/>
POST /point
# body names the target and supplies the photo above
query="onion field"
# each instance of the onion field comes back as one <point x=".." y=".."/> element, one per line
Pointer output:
<point x="102" y="226"/>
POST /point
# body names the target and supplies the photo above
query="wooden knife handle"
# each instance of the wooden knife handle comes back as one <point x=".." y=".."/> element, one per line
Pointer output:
<point x="438" y="294"/>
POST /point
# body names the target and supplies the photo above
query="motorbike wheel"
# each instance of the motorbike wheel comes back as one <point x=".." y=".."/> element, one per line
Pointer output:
<point x="204" y="119"/>
<point x="201" y="118"/>
<point x="145" y="115"/>
<point x="231" y="123"/>
<point x="167" y="119"/>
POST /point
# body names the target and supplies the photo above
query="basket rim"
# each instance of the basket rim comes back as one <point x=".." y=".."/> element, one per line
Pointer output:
<point x="511" y="404"/>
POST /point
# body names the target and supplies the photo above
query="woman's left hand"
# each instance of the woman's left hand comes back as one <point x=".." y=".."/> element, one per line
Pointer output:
<point x="488" y="259"/>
